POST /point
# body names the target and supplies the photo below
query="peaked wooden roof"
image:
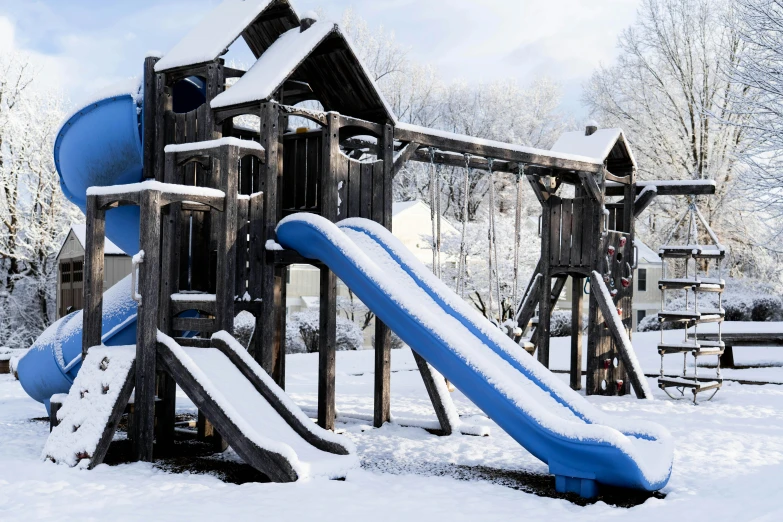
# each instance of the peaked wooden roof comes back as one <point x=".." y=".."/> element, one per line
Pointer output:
<point x="320" y="59"/>
<point x="259" y="22"/>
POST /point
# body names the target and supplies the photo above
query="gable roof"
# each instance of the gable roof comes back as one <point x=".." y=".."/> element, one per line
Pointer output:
<point x="259" y="22"/>
<point x="80" y="233"/>
<point x="321" y="57"/>
<point x="401" y="207"/>
<point x="646" y="254"/>
<point x="607" y="145"/>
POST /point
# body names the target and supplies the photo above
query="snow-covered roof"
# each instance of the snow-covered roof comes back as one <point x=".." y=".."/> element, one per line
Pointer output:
<point x="214" y="34"/>
<point x="402" y="206"/>
<point x="109" y="248"/>
<point x="275" y="66"/>
<point x="285" y="56"/>
<point x="597" y="145"/>
<point x="646" y="254"/>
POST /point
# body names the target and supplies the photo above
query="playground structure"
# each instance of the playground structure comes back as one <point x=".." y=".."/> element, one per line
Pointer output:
<point x="218" y="212"/>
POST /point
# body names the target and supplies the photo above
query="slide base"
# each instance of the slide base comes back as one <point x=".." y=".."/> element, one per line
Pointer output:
<point x="585" y="488"/>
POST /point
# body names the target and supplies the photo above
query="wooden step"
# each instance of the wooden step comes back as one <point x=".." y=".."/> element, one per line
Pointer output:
<point x="696" y="348"/>
<point x="684" y="382"/>
<point x="678" y="315"/>
<point x="194" y="342"/>
<point x="695" y="251"/>
<point x="703" y="285"/>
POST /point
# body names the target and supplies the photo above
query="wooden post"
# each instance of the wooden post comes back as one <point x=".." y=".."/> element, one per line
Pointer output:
<point x="264" y="287"/>
<point x="327" y="337"/>
<point x="278" y="363"/>
<point x="577" y="298"/>
<point x="226" y="237"/>
<point x="545" y="299"/>
<point x="328" y="308"/>
<point x="93" y="276"/>
<point x="147" y="325"/>
<point x="382" y="213"/>
<point x="150" y="116"/>
<point x="163" y="105"/>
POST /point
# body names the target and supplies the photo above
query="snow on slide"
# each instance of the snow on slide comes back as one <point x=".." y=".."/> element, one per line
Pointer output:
<point x="213" y="380"/>
<point x="581" y="444"/>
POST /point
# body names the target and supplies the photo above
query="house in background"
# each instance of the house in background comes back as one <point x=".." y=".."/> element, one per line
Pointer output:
<point x="411" y="224"/>
<point x="646" y="295"/>
<point x="70" y="269"/>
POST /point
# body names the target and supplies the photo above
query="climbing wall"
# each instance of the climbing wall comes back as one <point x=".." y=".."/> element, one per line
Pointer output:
<point x="609" y="376"/>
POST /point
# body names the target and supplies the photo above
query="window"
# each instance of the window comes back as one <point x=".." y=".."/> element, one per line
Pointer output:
<point x="78" y="269"/>
<point x="641" y="279"/>
<point x="640" y="315"/>
<point x="65" y="273"/>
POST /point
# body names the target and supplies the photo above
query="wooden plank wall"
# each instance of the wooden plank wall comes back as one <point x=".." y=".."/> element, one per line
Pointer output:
<point x="570" y="235"/>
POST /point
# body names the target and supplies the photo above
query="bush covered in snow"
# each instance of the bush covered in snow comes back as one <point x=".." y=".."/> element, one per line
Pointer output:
<point x="767" y="308"/>
<point x="244" y="325"/>
<point x="560" y="324"/>
<point x="651" y="324"/>
<point x="302" y="333"/>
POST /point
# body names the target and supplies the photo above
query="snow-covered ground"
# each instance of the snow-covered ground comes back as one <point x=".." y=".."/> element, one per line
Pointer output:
<point x="728" y="459"/>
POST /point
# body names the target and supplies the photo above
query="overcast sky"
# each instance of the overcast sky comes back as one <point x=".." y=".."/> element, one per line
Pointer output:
<point x="86" y="44"/>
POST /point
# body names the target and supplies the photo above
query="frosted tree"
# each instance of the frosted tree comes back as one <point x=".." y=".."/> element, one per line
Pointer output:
<point x="34" y="214"/>
<point x="668" y="90"/>
<point x="761" y="72"/>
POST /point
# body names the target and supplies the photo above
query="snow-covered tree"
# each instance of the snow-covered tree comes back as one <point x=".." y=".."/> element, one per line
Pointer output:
<point x="302" y="330"/>
<point x="670" y="92"/>
<point x="34" y="213"/>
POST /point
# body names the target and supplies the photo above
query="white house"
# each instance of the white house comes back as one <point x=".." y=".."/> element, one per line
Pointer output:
<point x="70" y="269"/>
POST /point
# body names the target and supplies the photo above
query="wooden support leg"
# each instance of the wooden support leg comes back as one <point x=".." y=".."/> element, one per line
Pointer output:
<point x="147" y="326"/>
<point x="545" y="301"/>
<point x="382" y="394"/>
<point x="166" y="411"/>
<point x="206" y="432"/>
<point x="327" y="335"/>
<point x="93" y="276"/>
<point x="278" y="350"/>
<point x="577" y="298"/>
<point x="438" y="392"/>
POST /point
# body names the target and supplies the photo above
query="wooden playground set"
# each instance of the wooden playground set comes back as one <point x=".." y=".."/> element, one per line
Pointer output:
<point x="213" y="193"/>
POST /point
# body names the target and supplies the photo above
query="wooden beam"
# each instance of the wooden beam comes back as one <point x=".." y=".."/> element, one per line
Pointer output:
<point x="591" y="186"/>
<point x="545" y="299"/>
<point x="404" y="156"/>
<point x="453" y="159"/>
<point x="643" y="201"/>
<point x="668" y="188"/>
<point x="490" y="149"/>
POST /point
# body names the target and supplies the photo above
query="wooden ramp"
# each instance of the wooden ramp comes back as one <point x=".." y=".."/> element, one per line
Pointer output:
<point x="89" y="416"/>
<point x="252" y="413"/>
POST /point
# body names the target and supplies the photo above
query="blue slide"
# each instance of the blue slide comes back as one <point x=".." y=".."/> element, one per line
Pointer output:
<point x="582" y="445"/>
<point x="99" y="145"/>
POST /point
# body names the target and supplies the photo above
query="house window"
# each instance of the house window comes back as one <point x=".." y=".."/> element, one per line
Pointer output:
<point x="65" y="273"/>
<point x="641" y="278"/>
<point x="640" y="315"/>
<point x="78" y="269"/>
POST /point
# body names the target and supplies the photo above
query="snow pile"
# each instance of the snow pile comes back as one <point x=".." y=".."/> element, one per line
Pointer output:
<point x="252" y="414"/>
<point x="170" y="188"/>
<point x="213" y="144"/>
<point x="86" y="411"/>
